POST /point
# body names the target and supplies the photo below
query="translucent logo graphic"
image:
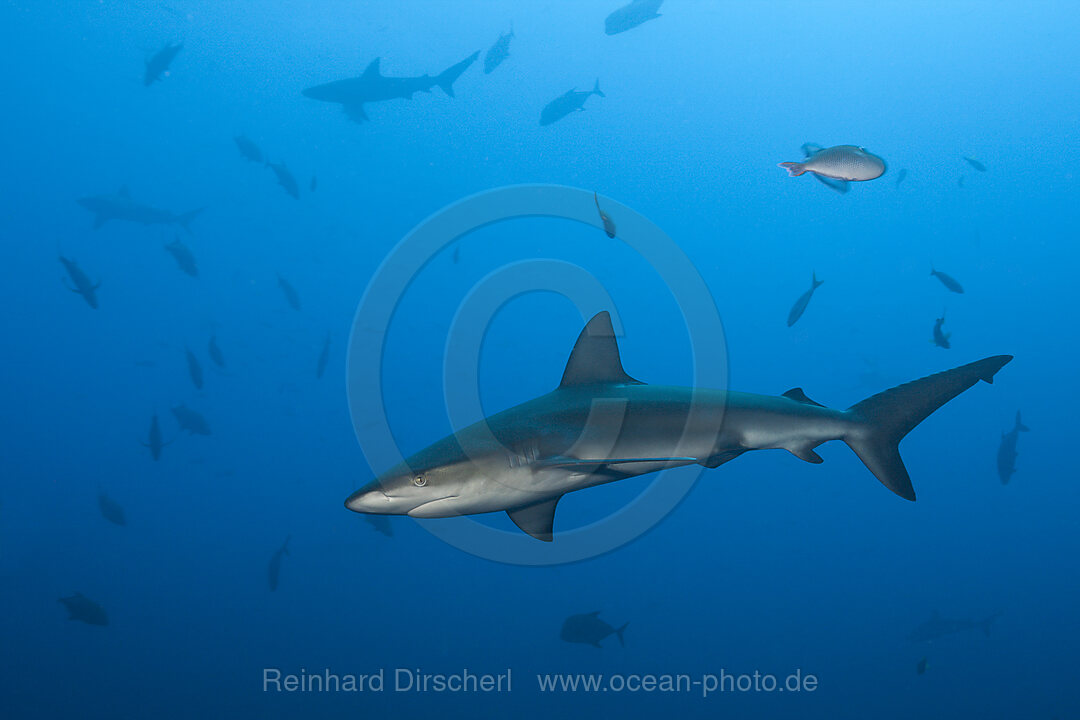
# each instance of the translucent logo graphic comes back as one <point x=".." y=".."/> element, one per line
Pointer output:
<point x="400" y="269"/>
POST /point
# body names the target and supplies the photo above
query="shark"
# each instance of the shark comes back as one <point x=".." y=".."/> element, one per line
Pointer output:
<point x="121" y="206"/>
<point x="353" y="93"/>
<point x="601" y="425"/>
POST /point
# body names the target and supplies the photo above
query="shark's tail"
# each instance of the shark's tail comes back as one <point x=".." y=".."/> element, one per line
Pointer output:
<point x="446" y="78"/>
<point x="596" y="89"/>
<point x="1021" y="427"/>
<point x="619" y="633"/>
<point x="184" y="219"/>
<point x="883" y="420"/>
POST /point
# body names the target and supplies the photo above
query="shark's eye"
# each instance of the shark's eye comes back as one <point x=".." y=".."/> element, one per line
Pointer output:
<point x="419" y="481"/>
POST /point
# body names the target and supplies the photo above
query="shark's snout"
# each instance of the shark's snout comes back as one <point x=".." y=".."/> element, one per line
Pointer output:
<point x="371" y="500"/>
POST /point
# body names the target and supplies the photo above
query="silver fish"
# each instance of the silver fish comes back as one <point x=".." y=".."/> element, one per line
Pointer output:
<point x="841" y="162"/>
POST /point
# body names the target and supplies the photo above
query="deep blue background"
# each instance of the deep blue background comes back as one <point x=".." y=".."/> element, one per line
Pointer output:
<point x="769" y="564"/>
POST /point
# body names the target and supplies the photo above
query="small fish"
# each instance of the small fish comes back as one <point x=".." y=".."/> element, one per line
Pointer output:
<point x="975" y="163"/>
<point x="901" y="176"/>
<point x="111" y="510"/>
<point x="941" y="338"/>
<point x="921" y="666"/>
<point x="81" y="281"/>
<point x="194" y="369"/>
<point x="589" y="629"/>
<point x="1006" y="456"/>
<point x="191" y="420"/>
<point x="286" y="179"/>
<point x="85" y="610"/>
<point x="249" y="149"/>
<point x="498" y="52"/>
<point x="841" y="162"/>
<point x="609" y="224"/>
<point x="154" y="441"/>
<point x="158" y="65"/>
<point x="567" y="103"/>
<point x="947" y="280"/>
<point x="800" y="305"/>
<point x="938" y="627"/>
<point x="185" y="260"/>
<point x="324" y="358"/>
<point x="214" y="351"/>
<point x="274" y="570"/>
<point x="289" y="292"/>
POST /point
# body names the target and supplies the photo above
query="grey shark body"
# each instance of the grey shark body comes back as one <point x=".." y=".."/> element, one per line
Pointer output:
<point x="158" y="65"/>
<point x="121" y="206"/>
<point x="1006" y="455"/>
<point x="82" y="285"/>
<point x="601" y="425"/>
<point x="353" y="93"/>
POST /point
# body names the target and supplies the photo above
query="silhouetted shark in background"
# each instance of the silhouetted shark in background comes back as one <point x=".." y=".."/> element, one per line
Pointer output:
<point x="352" y="94"/>
<point x="601" y="425"/>
<point x="120" y="206"/>
<point x="938" y="627"/>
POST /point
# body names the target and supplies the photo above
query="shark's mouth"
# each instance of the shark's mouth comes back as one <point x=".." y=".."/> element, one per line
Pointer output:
<point x="443" y="507"/>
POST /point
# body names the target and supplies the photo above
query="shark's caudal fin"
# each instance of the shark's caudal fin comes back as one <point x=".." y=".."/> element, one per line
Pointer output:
<point x="884" y="419"/>
<point x="184" y="219"/>
<point x="1021" y="427"/>
<point x="596" y="89"/>
<point x="619" y="633"/>
<point x="446" y="78"/>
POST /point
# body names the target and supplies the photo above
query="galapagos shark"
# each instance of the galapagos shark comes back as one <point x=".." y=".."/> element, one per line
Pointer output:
<point x="121" y="206"/>
<point x="523" y="460"/>
<point x="353" y="93"/>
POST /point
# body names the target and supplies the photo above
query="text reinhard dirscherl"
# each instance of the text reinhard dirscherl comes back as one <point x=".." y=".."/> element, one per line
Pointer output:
<point x="414" y="680"/>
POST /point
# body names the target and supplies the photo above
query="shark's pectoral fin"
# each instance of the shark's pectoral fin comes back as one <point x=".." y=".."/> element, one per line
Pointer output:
<point x="798" y="395"/>
<point x="537" y="520"/>
<point x="356" y="112"/>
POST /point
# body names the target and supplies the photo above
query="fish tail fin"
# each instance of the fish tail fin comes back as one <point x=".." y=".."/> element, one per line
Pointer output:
<point x="794" y="169"/>
<point x="184" y="220"/>
<point x="596" y="89"/>
<point x="1019" y="425"/>
<point x="446" y="78"/>
<point x="882" y="421"/>
<point x="619" y="633"/>
<point x="814" y="281"/>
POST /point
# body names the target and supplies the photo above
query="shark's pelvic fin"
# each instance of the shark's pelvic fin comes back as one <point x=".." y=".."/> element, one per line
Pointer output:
<point x="595" y="358"/>
<point x="884" y="419"/>
<point x="537" y="520"/>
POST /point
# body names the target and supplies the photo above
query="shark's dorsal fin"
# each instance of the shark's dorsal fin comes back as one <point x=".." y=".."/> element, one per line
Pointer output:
<point x="372" y="70"/>
<point x="595" y="358"/>
<point x="537" y="520"/>
<point x="798" y="395"/>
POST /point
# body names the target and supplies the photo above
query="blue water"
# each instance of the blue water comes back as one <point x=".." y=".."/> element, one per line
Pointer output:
<point x="768" y="565"/>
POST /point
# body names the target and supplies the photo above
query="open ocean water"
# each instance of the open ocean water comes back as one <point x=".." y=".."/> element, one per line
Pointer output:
<point x="300" y="241"/>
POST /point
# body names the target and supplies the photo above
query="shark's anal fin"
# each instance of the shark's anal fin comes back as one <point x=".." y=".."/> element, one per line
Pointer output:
<point x="798" y="395"/>
<point x="537" y="520"/>
<point x="595" y="357"/>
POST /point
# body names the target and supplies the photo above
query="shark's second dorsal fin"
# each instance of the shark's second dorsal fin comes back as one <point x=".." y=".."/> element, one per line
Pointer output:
<point x="372" y="69"/>
<point x="595" y="358"/>
<point x="798" y="395"/>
